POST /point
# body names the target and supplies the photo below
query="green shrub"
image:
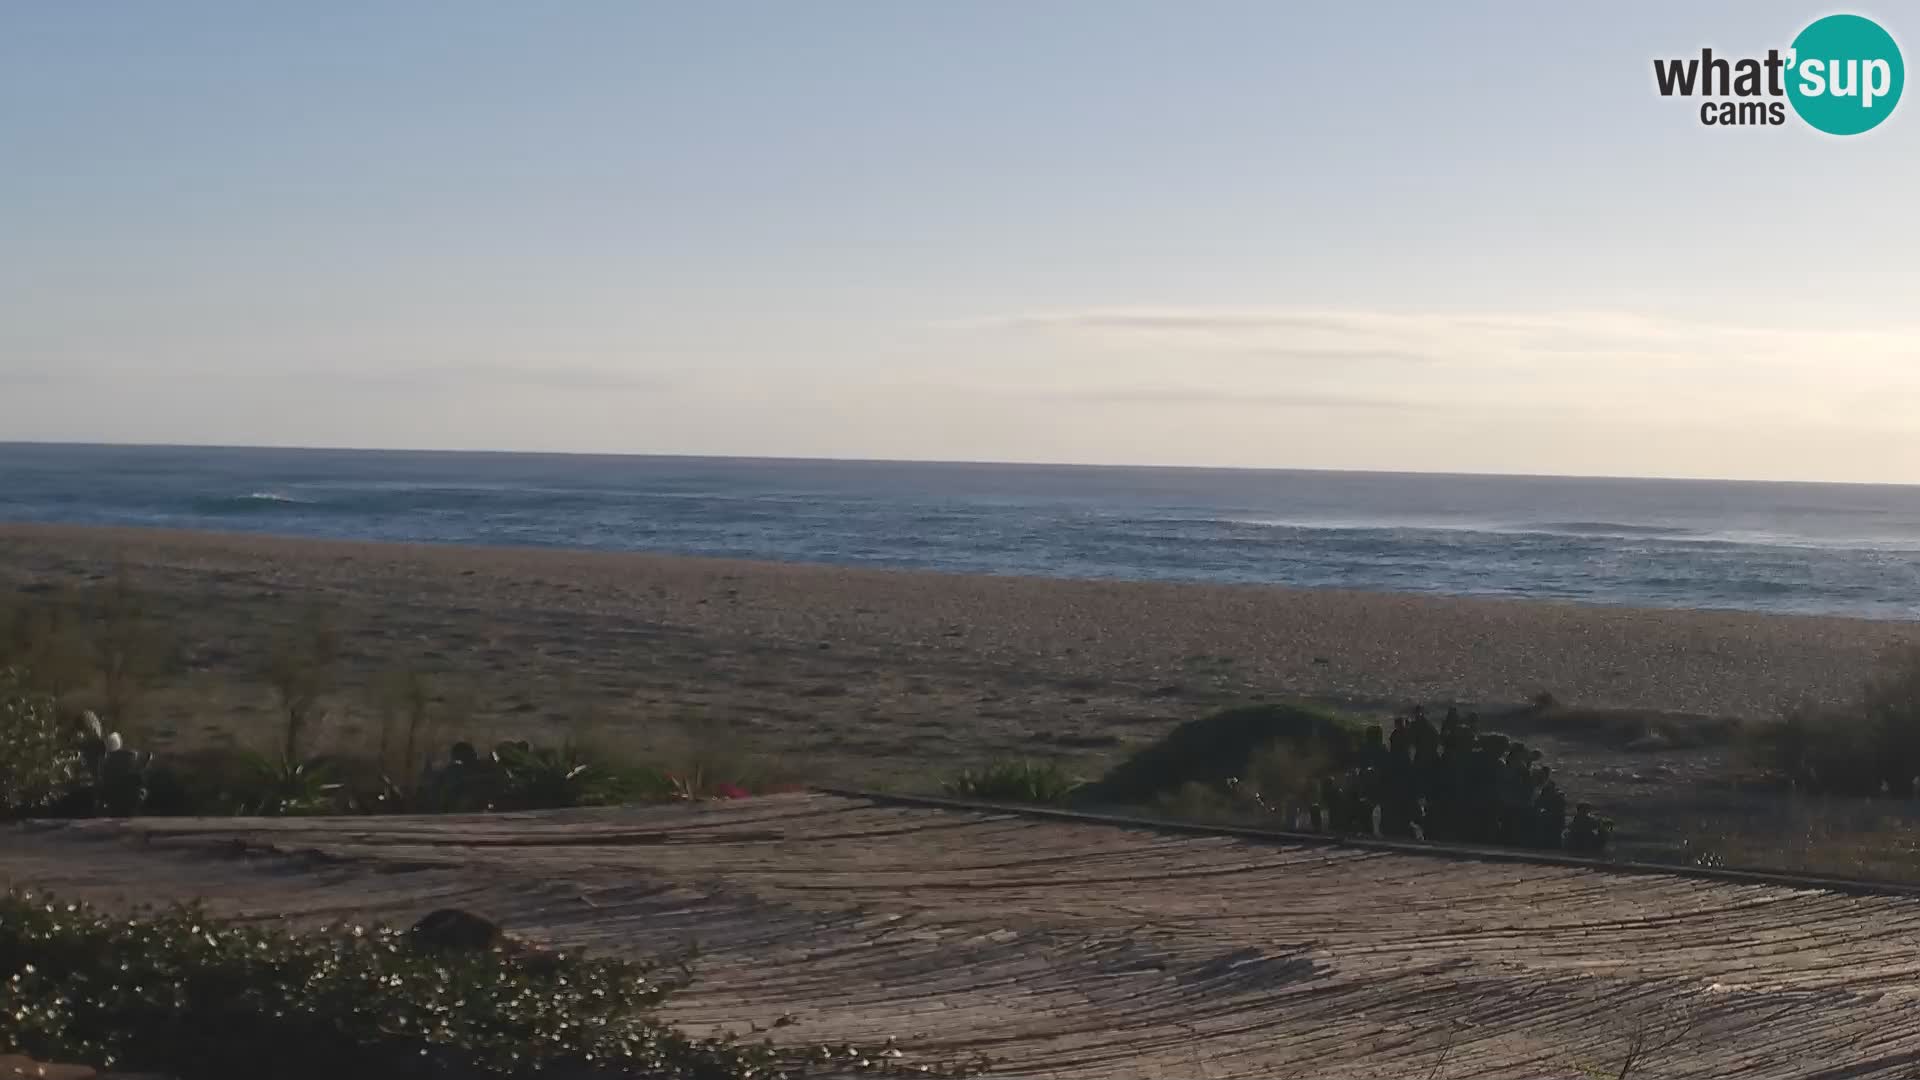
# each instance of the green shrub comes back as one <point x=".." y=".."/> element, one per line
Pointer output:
<point x="1284" y="777"/>
<point x="1869" y="748"/>
<point x="95" y="775"/>
<point x="1213" y="748"/>
<point x="1212" y="804"/>
<point x="1450" y="783"/>
<point x="1015" y="781"/>
<point x="287" y="787"/>
<point x="513" y="776"/>
<point x="39" y="758"/>
<point x="192" y="996"/>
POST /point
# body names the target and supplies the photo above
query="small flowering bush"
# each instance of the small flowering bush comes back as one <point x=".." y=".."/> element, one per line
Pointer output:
<point x="39" y="759"/>
<point x="198" y="998"/>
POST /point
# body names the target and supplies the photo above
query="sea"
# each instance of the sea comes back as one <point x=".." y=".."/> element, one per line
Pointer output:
<point x="1771" y="547"/>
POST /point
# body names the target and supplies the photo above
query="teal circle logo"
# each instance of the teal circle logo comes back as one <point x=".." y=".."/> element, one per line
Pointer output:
<point x="1845" y="74"/>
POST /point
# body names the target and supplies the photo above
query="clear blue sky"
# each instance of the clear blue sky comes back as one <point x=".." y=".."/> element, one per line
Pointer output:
<point x="1401" y="236"/>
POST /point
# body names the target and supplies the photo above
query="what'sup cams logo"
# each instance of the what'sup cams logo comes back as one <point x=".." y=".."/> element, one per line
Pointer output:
<point x="1842" y="75"/>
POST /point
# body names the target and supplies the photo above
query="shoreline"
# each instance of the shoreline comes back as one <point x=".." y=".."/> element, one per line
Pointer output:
<point x="11" y="530"/>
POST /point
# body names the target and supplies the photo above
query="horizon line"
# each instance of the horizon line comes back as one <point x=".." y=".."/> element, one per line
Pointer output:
<point x="965" y="462"/>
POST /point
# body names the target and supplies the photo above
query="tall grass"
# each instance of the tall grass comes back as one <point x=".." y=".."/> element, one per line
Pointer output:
<point x="303" y="667"/>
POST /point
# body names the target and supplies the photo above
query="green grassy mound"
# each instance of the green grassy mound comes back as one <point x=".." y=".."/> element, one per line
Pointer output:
<point x="1212" y="748"/>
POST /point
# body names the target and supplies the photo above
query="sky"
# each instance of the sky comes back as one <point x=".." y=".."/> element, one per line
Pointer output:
<point x="1462" y="237"/>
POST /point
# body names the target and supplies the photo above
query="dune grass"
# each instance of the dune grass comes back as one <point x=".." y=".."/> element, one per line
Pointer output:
<point x="325" y="742"/>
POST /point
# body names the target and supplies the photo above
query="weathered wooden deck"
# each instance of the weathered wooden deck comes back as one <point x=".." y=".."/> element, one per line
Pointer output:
<point x="1080" y="950"/>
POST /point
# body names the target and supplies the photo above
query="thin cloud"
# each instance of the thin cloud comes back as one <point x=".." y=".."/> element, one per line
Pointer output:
<point x="562" y="377"/>
<point x="1310" y="355"/>
<point x="1579" y="365"/>
<point x="438" y="378"/>
<point x="1187" y="395"/>
<point x="1483" y="340"/>
<point x="1168" y="319"/>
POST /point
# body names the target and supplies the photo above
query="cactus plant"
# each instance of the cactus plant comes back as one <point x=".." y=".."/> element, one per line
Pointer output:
<point x="1452" y="783"/>
<point x="116" y="777"/>
<point x="120" y="782"/>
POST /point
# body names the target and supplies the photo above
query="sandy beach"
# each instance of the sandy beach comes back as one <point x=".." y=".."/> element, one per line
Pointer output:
<point x="867" y="674"/>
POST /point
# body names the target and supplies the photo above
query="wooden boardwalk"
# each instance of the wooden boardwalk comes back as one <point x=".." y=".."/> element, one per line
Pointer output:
<point x="1089" y="951"/>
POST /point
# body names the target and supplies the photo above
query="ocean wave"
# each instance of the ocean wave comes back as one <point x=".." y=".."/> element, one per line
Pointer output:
<point x="1512" y="530"/>
<point x="368" y="500"/>
<point x="252" y="502"/>
<point x="1601" y="528"/>
<point x="1331" y="525"/>
<point x="1500" y="532"/>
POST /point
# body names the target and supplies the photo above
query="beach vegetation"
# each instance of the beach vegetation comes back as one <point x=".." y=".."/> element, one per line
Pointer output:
<point x="1297" y="767"/>
<point x="1869" y="748"/>
<point x="303" y="670"/>
<point x="56" y="762"/>
<point x="1828" y="835"/>
<point x="182" y="993"/>
<point x="517" y="775"/>
<point x="1209" y="804"/>
<point x="130" y="649"/>
<point x="69" y="650"/>
<point x="1212" y="748"/>
<point x="103" y="643"/>
<point x="1284" y="778"/>
<point x="411" y="714"/>
<point x="284" y="787"/>
<point x="1042" y="783"/>
<point x="44" y="642"/>
<point x="113" y="777"/>
<point x="51" y="766"/>
<point x="39" y="760"/>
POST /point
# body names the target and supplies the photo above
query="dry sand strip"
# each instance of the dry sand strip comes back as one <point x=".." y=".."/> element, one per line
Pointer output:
<point x="1091" y="951"/>
<point x="621" y="615"/>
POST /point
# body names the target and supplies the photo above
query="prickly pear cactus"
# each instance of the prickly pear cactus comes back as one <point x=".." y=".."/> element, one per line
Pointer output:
<point x="120" y="784"/>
